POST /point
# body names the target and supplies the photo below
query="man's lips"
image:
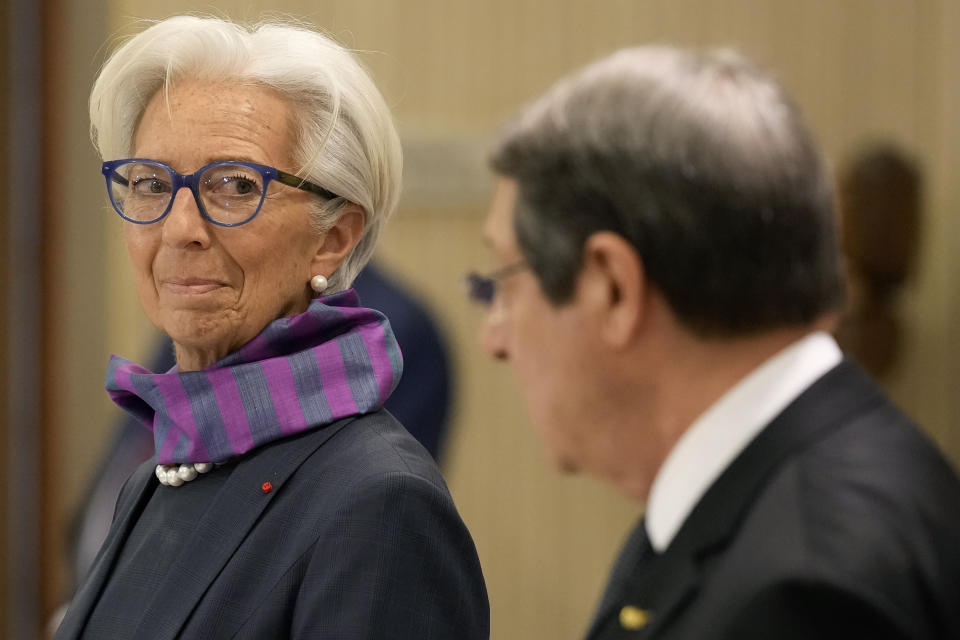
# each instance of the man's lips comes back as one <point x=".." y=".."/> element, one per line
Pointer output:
<point x="191" y="285"/>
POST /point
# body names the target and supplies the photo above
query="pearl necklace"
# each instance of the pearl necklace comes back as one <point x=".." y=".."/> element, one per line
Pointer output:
<point x="174" y="475"/>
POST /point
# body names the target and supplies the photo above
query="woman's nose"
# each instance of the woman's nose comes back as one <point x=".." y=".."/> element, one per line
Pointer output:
<point x="184" y="225"/>
<point x="493" y="333"/>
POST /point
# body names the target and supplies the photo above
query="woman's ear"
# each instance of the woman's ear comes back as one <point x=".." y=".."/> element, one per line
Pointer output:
<point x="339" y="240"/>
<point x="613" y="280"/>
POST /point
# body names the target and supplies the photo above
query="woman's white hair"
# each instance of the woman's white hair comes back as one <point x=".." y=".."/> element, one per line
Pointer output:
<point x="345" y="137"/>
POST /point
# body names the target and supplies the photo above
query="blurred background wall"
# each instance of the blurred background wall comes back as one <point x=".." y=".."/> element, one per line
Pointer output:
<point x="862" y="70"/>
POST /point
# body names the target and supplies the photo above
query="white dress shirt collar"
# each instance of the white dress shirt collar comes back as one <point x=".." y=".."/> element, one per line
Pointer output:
<point x="714" y="439"/>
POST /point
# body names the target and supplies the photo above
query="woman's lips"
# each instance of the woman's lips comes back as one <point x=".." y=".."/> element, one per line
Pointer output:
<point x="191" y="286"/>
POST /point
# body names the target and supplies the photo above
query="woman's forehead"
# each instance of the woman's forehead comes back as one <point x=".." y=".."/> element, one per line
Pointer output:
<point x="196" y="122"/>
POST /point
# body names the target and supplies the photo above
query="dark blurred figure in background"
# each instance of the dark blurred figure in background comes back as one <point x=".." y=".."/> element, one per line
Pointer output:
<point x="880" y="202"/>
<point x="426" y="376"/>
<point x="423" y="397"/>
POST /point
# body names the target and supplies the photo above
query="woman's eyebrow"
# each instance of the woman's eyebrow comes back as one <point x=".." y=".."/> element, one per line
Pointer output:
<point x="232" y="158"/>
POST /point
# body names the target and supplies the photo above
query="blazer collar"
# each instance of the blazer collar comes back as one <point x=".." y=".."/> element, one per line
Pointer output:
<point x="239" y="503"/>
<point x="673" y="578"/>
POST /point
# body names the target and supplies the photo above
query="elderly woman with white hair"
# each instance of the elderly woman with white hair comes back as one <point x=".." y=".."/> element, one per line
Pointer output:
<point x="253" y="170"/>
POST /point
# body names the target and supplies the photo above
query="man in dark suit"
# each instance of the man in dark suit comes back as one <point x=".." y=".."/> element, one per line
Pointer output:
<point x="669" y="272"/>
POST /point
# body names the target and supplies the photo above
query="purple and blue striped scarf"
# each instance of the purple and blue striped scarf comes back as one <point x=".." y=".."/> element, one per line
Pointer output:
<point x="334" y="360"/>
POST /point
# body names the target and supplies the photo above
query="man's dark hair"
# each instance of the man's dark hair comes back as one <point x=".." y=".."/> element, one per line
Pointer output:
<point x="703" y="163"/>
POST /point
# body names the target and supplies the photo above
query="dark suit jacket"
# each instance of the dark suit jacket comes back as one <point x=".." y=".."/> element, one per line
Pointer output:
<point x="840" y="520"/>
<point x="357" y="538"/>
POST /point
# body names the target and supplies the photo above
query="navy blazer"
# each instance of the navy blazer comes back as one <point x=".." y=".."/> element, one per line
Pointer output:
<point x="357" y="537"/>
<point x="840" y="520"/>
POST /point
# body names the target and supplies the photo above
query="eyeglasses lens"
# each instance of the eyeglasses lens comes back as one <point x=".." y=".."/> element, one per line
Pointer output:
<point x="230" y="194"/>
<point x="141" y="191"/>
<point x="480" y="289"/>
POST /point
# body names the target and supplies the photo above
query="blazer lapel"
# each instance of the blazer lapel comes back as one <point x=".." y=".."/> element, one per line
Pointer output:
<point x="654" y="593"/>
<point x="634" y="554"/>
<point x="141" y="484"/>
<point x="674" y="576"/>
<point x="672" y="581"/>
<point x="224" y="527"/>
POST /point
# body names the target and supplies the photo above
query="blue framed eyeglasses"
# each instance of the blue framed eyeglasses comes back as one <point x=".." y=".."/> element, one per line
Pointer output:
<point x="482" y="289"/>
<point x="228" y="193"/>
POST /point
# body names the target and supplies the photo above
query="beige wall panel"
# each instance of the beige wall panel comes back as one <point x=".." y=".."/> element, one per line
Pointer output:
<point x="926" y="379"/>
<point x="6" y="225"/>
<point x="452" y="71"/>
<point x="81" y="416"/>
<point x="934" y="371"/>
<point x="949" y="194"/>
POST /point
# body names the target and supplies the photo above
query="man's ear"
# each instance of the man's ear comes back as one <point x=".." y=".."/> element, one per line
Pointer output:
<point x="613" y="279"/>
<point x="337" y="243"/>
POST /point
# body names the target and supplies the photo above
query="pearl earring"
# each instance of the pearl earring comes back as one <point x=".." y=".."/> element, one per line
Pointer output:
<point x="318" y="283"/>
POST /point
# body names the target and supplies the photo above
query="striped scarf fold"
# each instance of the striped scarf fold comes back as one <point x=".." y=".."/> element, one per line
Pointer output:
<point x="301" y="372"/>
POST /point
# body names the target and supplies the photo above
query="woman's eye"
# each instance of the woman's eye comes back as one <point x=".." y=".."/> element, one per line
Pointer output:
<point x="149" y="186"/>
<point x="237" y="185"/>
<point x="243" y="186"/>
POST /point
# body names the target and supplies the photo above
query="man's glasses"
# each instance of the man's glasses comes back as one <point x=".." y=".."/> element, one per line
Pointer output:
<point x="483" y="288"/>
<point x="227" y="193"/>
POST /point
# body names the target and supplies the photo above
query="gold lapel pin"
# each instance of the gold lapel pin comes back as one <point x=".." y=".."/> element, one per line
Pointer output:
<point x="634" y="618"/>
